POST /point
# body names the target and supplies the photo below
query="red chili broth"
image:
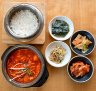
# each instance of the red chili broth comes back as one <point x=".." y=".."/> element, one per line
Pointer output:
<point x="21" y="58"/>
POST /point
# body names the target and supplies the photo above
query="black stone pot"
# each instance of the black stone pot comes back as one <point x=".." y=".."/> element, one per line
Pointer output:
<point x="41" y="78"/>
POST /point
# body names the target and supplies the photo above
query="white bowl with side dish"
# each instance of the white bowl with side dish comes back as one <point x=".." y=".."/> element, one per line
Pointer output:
<point x="66" y="20"/>
<point x="67" y="55"/>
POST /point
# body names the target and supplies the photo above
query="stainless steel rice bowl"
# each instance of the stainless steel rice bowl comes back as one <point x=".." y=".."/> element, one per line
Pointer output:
<point x="17" y="8"/>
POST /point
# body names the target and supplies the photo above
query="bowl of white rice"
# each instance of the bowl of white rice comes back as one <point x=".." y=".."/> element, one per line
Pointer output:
<point x="24" y="22"/>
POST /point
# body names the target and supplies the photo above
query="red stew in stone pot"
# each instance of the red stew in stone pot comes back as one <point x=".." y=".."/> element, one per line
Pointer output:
<point x="23" y="65"/>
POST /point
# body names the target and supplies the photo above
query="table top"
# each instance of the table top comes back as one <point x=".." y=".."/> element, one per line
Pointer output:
<point x="83" y="15"/>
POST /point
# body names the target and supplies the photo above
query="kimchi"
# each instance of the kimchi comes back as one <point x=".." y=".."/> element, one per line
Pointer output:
<point x="79" y="69"/>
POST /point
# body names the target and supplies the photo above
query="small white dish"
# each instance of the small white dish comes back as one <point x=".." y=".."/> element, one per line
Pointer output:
<point x="67" y="56"/>
<point x="68" y="21"/>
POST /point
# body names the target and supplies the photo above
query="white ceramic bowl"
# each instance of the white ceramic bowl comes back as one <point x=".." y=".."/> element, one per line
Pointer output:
<point x="67" y="56"/>
<point x="68" y="21"/>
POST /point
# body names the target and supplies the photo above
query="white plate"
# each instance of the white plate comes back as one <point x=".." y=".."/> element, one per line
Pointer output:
<point x="68" y="21"/>
<point x="67" y="56"/>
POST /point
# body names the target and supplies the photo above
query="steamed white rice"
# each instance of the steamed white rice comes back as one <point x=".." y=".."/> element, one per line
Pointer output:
<point x="24" y="23"/>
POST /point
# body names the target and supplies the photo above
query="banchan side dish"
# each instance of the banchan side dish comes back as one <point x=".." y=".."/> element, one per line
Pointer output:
<point x="24" y="66"/>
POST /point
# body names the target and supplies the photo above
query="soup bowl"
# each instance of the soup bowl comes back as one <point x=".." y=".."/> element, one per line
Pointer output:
<point x="40" y="78"/>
